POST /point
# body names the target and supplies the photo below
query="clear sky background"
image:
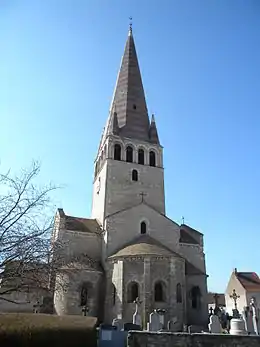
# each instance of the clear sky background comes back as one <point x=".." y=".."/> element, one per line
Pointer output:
<point x="200" y="65"/>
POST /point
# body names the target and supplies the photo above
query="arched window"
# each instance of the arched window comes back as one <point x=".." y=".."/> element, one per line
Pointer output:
<point x="152" y="161"/>
<point x="114" y="294"/>
<point x="159" y="295"/>
<point x="129" y="154"/>
<point x="117" y="152"/>
<point x="133" y="292"/>
<point x="134" y="175"/>
<point x="141" y="156"/>
<point x="85" y="294"/>
<point x="178" y="293"/>
<point x="143" y="228"/>
<point x="195" y="297"/>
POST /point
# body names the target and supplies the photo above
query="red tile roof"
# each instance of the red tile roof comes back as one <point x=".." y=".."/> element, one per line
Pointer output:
<point x="249" y="280"/>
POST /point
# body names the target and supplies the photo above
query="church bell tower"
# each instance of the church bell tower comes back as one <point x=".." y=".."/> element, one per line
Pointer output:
<point x="129" y="162"/>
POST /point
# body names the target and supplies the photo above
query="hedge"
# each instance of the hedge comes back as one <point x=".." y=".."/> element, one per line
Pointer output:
<point x="31" y="330"/>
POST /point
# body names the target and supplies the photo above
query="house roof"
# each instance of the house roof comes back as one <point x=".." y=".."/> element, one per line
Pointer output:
<point x="144" y="245"/>
<point x="249" y="280"/>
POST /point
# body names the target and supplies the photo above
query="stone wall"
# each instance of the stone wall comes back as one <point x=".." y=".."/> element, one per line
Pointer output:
<point x="166" y="339"/>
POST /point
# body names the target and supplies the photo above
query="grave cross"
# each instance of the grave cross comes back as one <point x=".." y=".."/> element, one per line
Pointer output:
<point x="85" y="310"/>
<point x="142" y="194"/>
<point x="216" y="297"/>
<point x="36" y="307"/>
<point x="234" y="296"/>
<point x="130" y="23"/>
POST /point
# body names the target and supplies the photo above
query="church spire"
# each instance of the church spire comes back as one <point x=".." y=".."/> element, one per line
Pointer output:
<point x="132" y="119"/>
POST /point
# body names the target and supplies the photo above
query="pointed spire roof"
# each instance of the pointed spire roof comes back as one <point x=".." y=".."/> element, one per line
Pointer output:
<point x="153" y="134"/>
<point x="128" y="112"/>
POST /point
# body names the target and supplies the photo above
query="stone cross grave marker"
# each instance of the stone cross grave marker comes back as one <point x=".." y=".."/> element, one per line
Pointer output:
<point x="84" y="310"/>
<point x="214" y="324"/>
<point x="36" y="307"/>
<point x="136" y="316"/>
<point x="234" y="296"/>
<point x="154" y="321"/>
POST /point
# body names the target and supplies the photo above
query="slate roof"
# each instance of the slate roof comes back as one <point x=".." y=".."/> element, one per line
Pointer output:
<point x="144" y="245"/>
<point x="128" y="112"/>
<point x="249" y="280"/>
<point x="82" y="224"/>
<point x="185" y="237"/>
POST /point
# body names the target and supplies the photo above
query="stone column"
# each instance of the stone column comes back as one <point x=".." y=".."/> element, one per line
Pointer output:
<point x="147" y="291"/>
<point x="172" y="294"/>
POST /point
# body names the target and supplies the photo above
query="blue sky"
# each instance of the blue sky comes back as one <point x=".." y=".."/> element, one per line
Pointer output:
<point x="200" y="66"/>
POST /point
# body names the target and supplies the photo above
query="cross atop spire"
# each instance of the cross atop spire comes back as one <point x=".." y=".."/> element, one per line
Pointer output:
<point x="130" y="25"/>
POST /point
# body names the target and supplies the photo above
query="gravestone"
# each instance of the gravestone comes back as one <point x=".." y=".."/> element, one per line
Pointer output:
<point x="137" y="320"/>
<point x="254" y="316"/>
<point x="247" y="317"/>
<point x="171" y="325"/>
<point x="106" y="335"/>
<point x="154" y="322"/>
<point x="214" y="324"/>
<point x="118" y="323"/>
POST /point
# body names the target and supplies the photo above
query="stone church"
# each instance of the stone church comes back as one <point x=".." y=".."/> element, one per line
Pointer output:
<point x="129" y="247"/>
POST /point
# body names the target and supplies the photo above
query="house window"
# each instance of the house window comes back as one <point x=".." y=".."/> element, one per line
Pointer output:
<point x="143" y="228"/>
<point x="134" y="175"/>
<point x="129" y="154"/>
<point x="195" y="297"/>
<point x="117" y="152"/>
<point x="141" y="156"/>
<point x="133" y="292"/>
<point x="178" y="293"/>
<point x="152" y="161"/>
<point x="159" y="294"/>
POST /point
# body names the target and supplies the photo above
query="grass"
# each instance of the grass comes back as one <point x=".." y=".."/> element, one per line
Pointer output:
<point x="23" y="329"/>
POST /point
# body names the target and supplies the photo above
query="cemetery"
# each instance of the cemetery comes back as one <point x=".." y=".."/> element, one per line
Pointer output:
<point x="240" y="329"/>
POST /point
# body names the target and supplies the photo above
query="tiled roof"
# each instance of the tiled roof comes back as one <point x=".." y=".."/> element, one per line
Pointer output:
<point x="82" y="224"/>
<point x="249" y="280"/>
<point x="144" y="245"/>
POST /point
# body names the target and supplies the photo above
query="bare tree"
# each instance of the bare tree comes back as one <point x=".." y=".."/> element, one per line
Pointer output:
<point x="26" y="222"/>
